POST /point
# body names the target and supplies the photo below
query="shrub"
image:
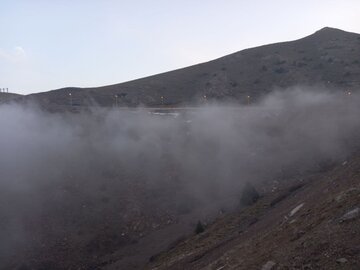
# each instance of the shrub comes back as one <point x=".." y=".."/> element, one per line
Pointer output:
<point x="199" y="228"/>
<point x="249" y="195"/>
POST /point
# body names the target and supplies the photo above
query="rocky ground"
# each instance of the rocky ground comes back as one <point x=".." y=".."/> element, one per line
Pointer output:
<point x="311" y="222"/>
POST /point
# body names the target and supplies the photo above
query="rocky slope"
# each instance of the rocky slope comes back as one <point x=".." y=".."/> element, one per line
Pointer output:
<point x="312" y="222"/>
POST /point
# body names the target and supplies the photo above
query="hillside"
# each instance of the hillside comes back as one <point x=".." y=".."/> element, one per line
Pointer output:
<point x="329" y="57"/>
<point x="4" y="97"/>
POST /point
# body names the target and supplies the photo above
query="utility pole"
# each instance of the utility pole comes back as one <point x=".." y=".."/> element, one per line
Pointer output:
<point x="116" y="101"/>
<point x="71" y="103"/>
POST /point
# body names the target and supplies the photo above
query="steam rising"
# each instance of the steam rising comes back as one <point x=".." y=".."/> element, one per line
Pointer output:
<point x="205" y="154"/>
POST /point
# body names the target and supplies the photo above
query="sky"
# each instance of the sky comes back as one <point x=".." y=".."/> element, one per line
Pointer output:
<point x="46" y="45"/>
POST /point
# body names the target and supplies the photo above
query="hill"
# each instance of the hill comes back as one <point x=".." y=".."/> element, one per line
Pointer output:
<point x="329" y="57"/>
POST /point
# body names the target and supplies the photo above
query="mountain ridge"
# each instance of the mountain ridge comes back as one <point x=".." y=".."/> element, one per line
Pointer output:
<point x="329" y="57"/>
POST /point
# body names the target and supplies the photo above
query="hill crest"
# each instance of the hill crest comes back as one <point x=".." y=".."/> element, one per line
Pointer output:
<point x="329" y="57"/>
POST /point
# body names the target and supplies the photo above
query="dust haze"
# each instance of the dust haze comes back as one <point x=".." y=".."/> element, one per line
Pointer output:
<point x="76" y="170"/>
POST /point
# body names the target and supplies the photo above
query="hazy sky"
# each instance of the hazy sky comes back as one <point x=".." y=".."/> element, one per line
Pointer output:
<point x="52" y="44"/>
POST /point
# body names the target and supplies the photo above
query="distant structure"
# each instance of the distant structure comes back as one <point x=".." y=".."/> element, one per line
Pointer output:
<point x="4" y="90"/>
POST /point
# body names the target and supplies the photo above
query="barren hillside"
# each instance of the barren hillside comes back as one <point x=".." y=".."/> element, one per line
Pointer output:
<point x="329" y="57"/>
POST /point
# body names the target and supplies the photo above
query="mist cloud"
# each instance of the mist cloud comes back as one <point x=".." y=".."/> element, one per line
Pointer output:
<point x="206" y="154"/>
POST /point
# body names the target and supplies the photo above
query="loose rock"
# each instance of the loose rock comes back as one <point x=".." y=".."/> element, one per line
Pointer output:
<point x="341" y="260"/>
<point x="353" y="214"/>
<point x="296" y="209"/>
<point x="268" y="266"/>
